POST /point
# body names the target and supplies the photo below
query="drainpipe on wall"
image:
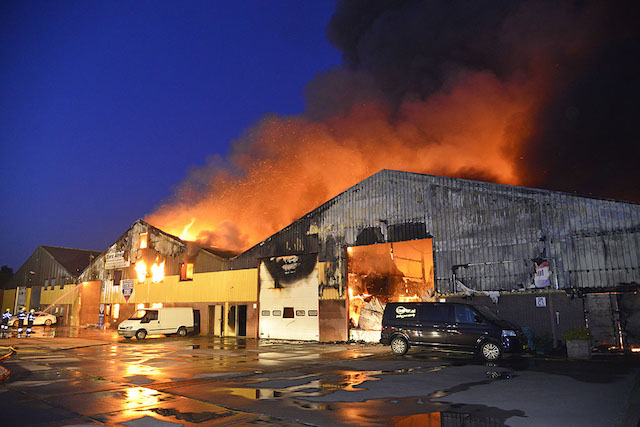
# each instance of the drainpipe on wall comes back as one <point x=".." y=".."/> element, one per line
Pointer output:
<point x="553" y="321"/>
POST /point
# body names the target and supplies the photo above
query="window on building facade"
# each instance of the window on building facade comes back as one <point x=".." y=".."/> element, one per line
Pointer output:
<point x="116" y="311"/>
<point x="186" y="271"/>
<point x="266" y="312"/>
<point x="144" y="240"/>
<point x="46" y="284"/>
<point x="277" y="313"/>
<point x="117" y="277"/>
<point x="312" y="312"/>
<point x="288" y="313"/>
<point x="53" y="283"/>
<point x="299" y="313"/>
<point x="62" y="279"/>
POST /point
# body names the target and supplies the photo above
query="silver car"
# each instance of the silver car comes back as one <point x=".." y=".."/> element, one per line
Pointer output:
<point x="41" y="319"/>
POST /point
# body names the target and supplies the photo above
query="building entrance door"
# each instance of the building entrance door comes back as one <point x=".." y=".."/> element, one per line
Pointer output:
<point x="216" y="326"/>
<point x="242" y="321"/>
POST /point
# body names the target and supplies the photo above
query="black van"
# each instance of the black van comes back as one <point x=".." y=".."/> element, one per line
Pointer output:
<point x="449" y="327"/>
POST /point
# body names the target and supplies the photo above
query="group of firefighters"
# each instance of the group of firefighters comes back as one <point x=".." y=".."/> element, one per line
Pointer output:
<point x="23" y="316"/>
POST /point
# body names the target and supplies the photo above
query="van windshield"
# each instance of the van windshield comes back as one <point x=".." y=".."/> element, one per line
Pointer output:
<point x="138" y="315"/>
<point x="488" y="314"/>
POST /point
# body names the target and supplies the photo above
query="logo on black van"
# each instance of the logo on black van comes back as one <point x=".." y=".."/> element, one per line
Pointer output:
<point x="402" y="312"/>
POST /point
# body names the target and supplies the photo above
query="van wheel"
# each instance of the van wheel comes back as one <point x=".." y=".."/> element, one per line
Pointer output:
<point x="47" y="322"/>
<point x="182" y="331"/>
<point x="141" y="334"/>
<point x="490" y="351"/>
<point x="399" y="346"/>
<point x="16" y="323"/>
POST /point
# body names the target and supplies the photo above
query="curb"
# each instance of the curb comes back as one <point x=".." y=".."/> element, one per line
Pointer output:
<point x="4" y="372"/>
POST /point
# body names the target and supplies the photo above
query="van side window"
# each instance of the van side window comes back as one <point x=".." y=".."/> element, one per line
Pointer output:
<point x="435" y="313"/>
<point x="149" y="316"/>
<point x="464" y="314"/>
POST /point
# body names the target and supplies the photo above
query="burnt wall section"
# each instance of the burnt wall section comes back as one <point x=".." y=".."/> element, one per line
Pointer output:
<point x="160" y="247"/>
<point x="333" y="320"/>
<point x="490" y="235"/>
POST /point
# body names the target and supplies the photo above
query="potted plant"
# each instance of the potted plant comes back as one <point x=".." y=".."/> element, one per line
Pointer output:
<point x="578" y="343"/>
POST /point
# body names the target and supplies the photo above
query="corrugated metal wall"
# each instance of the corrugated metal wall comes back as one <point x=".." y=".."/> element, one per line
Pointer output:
<point x="44" y="267"/>
<point x="495" y="231"/>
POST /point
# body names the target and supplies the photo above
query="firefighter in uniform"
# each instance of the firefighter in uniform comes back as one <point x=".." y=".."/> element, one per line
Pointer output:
<point x="5" y="320"/>
<point x="30" y="318"/>
<point x="22" y="315"/>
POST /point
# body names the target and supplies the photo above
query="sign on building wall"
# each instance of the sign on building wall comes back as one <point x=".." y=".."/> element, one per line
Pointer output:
<point x="115" y="259"/>
<point x="127" y="289"/>
<point x="541" y="301"/>
<point x="543" y="275"/>
<point x="101" y="316"/>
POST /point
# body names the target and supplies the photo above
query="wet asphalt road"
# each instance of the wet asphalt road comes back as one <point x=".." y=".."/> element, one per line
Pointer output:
<point x="93" y="377"/>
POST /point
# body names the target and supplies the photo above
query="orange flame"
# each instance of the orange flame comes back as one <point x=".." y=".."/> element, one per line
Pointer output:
<point x="141" y="269"/>
<point x="291" y="165"/>
<point x="185" y="235"/>
<point x="157" y="272"/>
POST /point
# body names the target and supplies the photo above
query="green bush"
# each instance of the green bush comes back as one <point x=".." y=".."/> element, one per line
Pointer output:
<point x="578" y="333"/>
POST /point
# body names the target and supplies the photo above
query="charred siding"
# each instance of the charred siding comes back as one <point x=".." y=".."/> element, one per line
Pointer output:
<point x="487" y="234"/>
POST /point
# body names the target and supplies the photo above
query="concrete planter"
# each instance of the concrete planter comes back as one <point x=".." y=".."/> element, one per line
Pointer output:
<point x="579" y="349"/>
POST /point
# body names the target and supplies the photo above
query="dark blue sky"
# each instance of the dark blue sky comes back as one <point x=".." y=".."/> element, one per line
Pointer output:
<point x="104" y="106"/>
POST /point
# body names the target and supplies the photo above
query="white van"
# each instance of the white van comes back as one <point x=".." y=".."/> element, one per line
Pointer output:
<point x="170" y="320"/>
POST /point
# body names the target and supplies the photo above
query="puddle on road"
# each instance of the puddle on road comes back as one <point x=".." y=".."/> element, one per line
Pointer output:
<point x="424" y="413"/>
<point x="295" y="390"/>
<point x="192" y="417"/>
<point x="453" y="419"/>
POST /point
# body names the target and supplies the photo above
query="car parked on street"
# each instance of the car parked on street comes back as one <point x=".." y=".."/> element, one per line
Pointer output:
<point x="449" y="327"/>
<point x="42" y="318"/>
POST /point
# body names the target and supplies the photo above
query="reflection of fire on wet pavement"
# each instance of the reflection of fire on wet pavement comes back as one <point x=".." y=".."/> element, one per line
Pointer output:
<point x="206" y="380"/>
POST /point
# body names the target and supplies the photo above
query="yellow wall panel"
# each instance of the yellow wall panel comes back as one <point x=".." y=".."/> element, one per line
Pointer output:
<point x="217" y="286"/>
<point x="8" y="299"/>
<point x="68" y="295"/>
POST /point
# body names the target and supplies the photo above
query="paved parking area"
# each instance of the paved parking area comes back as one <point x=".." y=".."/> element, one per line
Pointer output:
<point x="96" y="378"/>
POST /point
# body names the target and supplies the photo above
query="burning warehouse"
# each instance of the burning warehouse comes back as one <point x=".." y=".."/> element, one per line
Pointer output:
<point x="546" y="260"/>
<point x="541" y="258"/>
<point x="148" y="268"/>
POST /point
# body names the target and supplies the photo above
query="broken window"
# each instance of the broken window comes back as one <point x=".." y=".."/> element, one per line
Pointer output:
<point x="186" y="271"/>
<point x="144" y="240"/>
<point x="288" y="313"/>
<point x="117" y="277"/>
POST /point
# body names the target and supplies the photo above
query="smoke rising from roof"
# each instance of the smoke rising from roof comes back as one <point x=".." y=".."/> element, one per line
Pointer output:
<point x="528" y="93"/>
